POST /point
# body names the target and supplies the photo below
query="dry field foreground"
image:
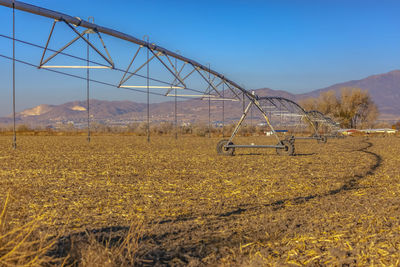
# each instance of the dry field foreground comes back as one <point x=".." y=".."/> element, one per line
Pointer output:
<point x="336" y="203"/>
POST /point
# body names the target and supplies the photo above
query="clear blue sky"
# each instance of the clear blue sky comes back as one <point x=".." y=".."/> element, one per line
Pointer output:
<point x="293" y="45"/>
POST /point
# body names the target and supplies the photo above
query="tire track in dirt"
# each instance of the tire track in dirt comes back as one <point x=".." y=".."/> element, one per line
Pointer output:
<point x="350" y="184"/>
<point x="179" y="241"/>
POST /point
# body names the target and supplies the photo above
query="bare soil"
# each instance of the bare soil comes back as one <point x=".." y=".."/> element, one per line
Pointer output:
<point x="330" y="204"/>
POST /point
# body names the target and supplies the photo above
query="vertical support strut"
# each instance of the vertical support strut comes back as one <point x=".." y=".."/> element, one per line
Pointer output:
<point x="245" y="112"/>
<point x="257" y="104"/>
<point x="209" y="105"/>
<point x="176" y="117"/>
<point x="251" y="121"/>
<point x="88" y="86"/>
<point x="176" y="107"/>
<point x="47" y="42"/>
<point x="223" y="110"/>
<point x="148" y="91"/>
<point x="243" y="103"/>
<point x="280" y="110"/>
<point x="13" y="85"/>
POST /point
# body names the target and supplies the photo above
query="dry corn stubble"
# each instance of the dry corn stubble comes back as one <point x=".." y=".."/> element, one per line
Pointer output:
<point x="336" y="203"/>
<point x="23" y="244"/>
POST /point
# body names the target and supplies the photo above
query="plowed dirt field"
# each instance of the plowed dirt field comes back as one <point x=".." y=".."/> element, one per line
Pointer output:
<point x="336" y="203"/>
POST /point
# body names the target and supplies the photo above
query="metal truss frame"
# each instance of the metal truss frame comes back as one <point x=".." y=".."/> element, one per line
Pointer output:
<point x="156" y="51"/>
<point x="107" y="57"/>
<point x="215" y="81"/>
<point x="227" y="147"/>
<point x="290" y="108"/>
<point x="319" y="119"/>
<point x="293" y="109"/>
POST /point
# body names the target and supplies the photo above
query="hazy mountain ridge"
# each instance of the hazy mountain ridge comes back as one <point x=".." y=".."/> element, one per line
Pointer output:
<point x="384" y="90"/>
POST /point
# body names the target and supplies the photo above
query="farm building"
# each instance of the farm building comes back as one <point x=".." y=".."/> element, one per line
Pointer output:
<point x="368" y="131"/>
<point x="380" y="131"/>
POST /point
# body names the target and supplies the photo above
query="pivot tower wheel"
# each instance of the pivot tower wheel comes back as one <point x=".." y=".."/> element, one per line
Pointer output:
<point x="225" y="151"/>
<point x="322" y="140"/>
<point x="290" y="139"/>
<point x="287" y="149"/>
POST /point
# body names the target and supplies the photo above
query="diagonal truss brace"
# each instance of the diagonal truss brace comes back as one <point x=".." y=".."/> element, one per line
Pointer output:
<point x="308" y="119"/>
<point x="165" y="65"/>
<point x="208" y="90"/>
<point x="79" y="35"/>
<point x="257" y="104"/>
<point x="233" y="91"/>
<point x="209" y="82"/>
<point x="174" y="82"/>
<point x="157" y="55"/>
<point x="213" y="85"/>
<point x="253" y="101"/>
<point x="123" y="80"/>
<point x="190" y="73"/>
<point x="177" y="74"/>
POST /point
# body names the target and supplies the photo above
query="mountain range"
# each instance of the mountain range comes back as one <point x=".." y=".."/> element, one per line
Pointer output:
<point x="383" y="88"/>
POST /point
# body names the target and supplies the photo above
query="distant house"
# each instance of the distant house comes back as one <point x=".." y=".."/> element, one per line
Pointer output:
<point x="380" y="131"/>
<point x="368" y="131"/>
<point x="269" y="133"/>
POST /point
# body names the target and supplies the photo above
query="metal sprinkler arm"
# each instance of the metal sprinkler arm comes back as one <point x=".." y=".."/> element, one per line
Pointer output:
<point x="18" y="5"/>
<point x="266" y="118"/>
<point x="240" y="122"/>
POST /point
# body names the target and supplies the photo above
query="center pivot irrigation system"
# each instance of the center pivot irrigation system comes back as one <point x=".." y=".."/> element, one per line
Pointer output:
<point x="291" y="116"/>
<point x="195" y="80"/>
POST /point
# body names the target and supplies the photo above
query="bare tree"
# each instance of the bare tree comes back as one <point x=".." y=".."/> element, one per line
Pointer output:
<point x="353" y="108"/>
<point x="396" y="126"/>
<point x="328" y="103"/>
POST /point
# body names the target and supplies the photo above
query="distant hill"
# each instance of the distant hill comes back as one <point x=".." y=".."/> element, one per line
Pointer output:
<point x="384" y="89"/>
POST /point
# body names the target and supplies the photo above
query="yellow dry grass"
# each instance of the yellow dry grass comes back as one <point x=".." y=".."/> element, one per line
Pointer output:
<point x="120" y="200"/>
<point x="23" y="244"/>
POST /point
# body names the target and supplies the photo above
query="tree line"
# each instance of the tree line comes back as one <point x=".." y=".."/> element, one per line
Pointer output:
<point x="352" y="108"/>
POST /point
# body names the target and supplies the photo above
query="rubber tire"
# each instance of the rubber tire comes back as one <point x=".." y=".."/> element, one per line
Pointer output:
<point x="322" y="140"/>
<point x="225" y="151"/>
<point x="288" y="150"/>
<point x="291" y="139"/>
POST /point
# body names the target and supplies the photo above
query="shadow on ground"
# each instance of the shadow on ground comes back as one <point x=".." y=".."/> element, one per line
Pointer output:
<point x="179" y="241"/>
